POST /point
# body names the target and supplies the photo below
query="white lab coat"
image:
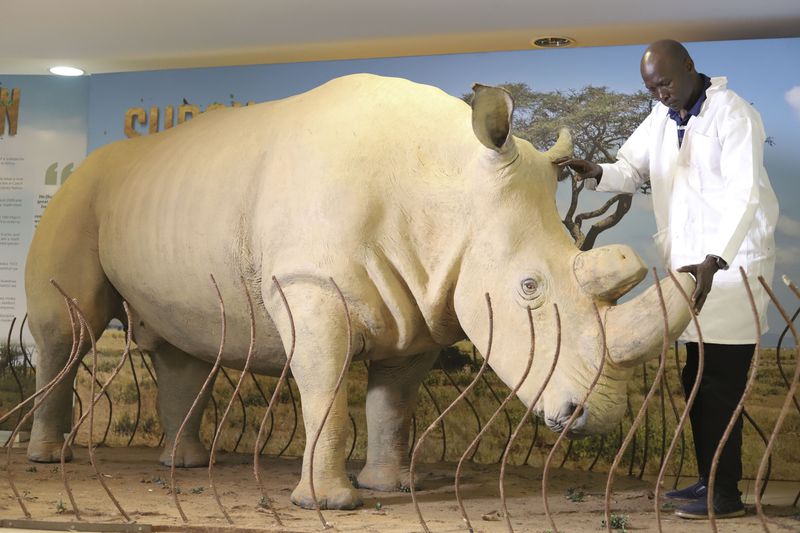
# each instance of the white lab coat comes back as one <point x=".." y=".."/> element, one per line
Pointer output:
<point x="711" y="196"/>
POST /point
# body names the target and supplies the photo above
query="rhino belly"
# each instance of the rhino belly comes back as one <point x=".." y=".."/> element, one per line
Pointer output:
<point x="175" y="301"/>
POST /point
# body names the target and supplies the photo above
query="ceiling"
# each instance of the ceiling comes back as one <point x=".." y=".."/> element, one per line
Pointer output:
<point x="102" y="36"/>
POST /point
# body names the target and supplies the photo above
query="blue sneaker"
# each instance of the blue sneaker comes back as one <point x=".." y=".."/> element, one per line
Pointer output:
<point x="724" y="507"/>
<point x="692" y="492"/>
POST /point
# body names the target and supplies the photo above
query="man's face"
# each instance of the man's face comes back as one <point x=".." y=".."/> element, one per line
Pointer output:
<point x="670" y="81"/>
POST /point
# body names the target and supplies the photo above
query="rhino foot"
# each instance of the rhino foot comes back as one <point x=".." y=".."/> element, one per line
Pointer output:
<point x="385" y="478"/>
<point x="190" y="454"/>
<point x="47" y="451"/>
<point x="329" y="497"/>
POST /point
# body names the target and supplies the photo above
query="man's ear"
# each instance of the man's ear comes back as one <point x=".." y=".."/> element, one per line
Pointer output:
<point x="690" y="64"/>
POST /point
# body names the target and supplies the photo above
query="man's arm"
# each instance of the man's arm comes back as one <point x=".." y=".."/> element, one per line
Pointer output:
<point x="742" y="140"/>
<point x="627" y="175"/>
<point x="703" y="274"/>
<point x="742" y="158"/>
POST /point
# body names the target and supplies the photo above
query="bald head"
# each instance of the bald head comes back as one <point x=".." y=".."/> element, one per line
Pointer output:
<point x="666" y="48"/>
<point x="668" y="73"/>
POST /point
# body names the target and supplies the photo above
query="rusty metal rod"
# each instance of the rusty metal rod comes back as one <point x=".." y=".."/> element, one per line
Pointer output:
<point x="271" y="405"/>
<point x="786" y="403"/>
<point x="646" y="444"/>
<point x="76" y="398"/>
<point x="600" y="448"/>
<point x="778" y="356"/>
<point x="765" y="440"/>
<point x="675" y="413"/>
<point x="294" y="418"/>
<point x="234" y="395"/>
<point x="566" y="454"/>
<point x="9" y="363"/>
<point x="26" y="358"/>
<point x="147" y="367"/>
<point x="413" y="433"/>
<point x="663" y="411"/>
<point x="44" y="392"/>
<point x="67" y="441"/>
<point x="662" y="362"/>
<point x="712" y="519"/>
<point x="93" y="342"/>
<point x="535" y="424"/>
<point x="108" y="400"/>
<point x="7" y="360"/>
<point x="633" y="442"/>
<point x="155" y="382"/>
<point x="238" y="396"/>
<point x="528" y="411"/>
<point x="792" y="287"/>
<point x="355" y="435"/>
<point x="689" y="400"/>
<point x="206" y="384"/>
<point x="509" y="425"/>
<point x="71" y="360"/>
<point x="418" y="445"/>
<point x="466" y="400"/>
<point x="347" y="360"/>
<point x="125" y="354"/>
<point x="439" y="417"/>
<point x="578" y="410"/>
<point x="266" y="402"/>
<point x="491" y="420"/>
<point x="138" y="398"/>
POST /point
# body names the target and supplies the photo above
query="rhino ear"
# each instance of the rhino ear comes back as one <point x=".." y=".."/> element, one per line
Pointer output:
<point x="492" y="108"/>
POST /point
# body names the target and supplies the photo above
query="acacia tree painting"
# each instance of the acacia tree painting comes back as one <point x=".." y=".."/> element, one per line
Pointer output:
<point x="600" y="120"/>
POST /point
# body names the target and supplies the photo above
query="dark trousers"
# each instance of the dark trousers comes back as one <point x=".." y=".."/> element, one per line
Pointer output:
<point x="723" y="381"/>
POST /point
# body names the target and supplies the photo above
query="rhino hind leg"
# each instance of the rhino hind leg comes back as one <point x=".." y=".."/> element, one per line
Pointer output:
<point x="391" y="398"/>
<point x="180" y="377"/>
<point x="50" y="326"/>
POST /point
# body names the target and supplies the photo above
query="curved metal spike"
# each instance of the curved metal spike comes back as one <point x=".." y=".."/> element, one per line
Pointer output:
<point x="497" y="411"/>
<point x="528" y="411"/>
<point x="467" y="390"/>
<point x="571" y="420"/>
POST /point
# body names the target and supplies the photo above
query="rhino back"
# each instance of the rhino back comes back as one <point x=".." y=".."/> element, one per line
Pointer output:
<point x="321" y="182"/>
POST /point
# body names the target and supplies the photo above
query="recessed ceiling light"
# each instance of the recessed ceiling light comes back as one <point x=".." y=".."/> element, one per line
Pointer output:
<point x="66" y="71"/>
<point x="552" y="42"/>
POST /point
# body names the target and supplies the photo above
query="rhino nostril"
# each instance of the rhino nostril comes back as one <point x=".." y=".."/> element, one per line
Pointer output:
<point x="567" y="410"/>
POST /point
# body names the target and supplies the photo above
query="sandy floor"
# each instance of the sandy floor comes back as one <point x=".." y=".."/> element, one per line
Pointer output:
<point x="142" y="487"/>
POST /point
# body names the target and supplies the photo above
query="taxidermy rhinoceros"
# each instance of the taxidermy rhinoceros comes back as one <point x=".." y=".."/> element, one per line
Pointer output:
<point x="414" y="202"/>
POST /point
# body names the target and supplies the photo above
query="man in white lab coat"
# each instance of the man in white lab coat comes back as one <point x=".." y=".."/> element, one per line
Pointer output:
<point x="701" y="148"/>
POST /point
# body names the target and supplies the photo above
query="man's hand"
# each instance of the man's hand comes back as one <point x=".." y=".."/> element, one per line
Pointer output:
<point x="704" y="276"/>
<point x="584" y="169"/>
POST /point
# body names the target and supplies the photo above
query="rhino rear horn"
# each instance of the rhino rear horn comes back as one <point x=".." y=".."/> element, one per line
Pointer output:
<point x="492" y="109"/>
<point x="563" y="146"/>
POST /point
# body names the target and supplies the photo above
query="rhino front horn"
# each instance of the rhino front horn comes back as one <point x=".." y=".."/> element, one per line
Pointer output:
<point x="635" y="329"/>
<point x="609" y="272"/>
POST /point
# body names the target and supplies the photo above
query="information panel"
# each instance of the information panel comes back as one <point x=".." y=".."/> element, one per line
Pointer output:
<point x="42" y="139"/>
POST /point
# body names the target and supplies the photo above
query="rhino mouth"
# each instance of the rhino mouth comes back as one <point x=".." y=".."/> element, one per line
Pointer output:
<point x="577" y="429"/>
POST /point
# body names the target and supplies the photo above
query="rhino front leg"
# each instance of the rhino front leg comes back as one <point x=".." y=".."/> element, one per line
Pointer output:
<point x="391" y="399"/>
<point x="180" y="378"/>
<point x="318" y="360"/>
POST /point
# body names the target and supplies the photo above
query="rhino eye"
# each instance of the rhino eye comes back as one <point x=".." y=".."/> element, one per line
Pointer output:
<point x="529" y="287"/>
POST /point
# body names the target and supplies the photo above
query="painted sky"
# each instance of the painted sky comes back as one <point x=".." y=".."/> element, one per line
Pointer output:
<point x="765" y="72"/>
